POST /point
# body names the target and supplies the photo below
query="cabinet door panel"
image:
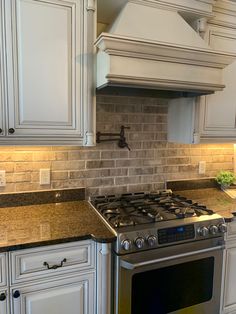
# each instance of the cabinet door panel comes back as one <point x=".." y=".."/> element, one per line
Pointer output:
<point x="4" y="303"/>
<point x="219" y="109"/>
<point x="73" y="296"/>
<point x="67" y="299"/>
<point x="230" y="278"/>
<point x="2" y="99"/>
<point x="47" y="58"/>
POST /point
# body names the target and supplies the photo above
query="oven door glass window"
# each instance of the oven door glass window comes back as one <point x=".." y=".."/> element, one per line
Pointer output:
<point x="172" y="288"/>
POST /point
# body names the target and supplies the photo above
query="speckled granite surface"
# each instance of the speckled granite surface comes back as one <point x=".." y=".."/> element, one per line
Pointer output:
<point x="203" y="192"/>
<point x="41" y="197"/>
<point x="52" y="223"/>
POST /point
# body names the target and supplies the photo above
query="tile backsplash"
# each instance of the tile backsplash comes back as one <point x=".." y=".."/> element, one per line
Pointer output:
<point x="106" y="168"/>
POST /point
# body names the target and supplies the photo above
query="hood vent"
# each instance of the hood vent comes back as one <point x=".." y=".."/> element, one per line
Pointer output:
<point x="150" y="47"/>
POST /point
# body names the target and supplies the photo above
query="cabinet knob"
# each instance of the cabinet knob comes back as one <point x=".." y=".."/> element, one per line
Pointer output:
<point x="11" y="131"/>
<point x="1" y="130"/>
<point x="16" y="294"/>
<point x="3" y="297"/>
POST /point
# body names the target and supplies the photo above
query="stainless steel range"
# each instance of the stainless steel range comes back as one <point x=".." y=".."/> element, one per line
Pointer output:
<point x="168" y="254"/>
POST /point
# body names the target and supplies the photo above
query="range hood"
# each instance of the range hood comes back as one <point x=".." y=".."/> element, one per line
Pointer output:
<point x="149" y="46"/>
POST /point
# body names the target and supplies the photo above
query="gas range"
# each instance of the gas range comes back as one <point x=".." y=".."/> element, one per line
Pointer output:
<point x="144" y="221"/>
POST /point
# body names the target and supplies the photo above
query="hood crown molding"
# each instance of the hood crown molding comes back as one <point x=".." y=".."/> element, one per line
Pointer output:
<point x="161" y="52"/>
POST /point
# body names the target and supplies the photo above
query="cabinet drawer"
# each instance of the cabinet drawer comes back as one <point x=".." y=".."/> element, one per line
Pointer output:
<point x="3" y="269"/>
<point x="32" y="264"/>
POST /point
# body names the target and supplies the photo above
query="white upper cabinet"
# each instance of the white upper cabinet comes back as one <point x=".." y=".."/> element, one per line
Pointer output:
<point x="49" y="63"/>
<point x="213" y="117"/>
<point x="218" y="111"/>
<point x="2" y="94"/>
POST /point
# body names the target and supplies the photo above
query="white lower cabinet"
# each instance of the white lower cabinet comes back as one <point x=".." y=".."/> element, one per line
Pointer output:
<point x="66" y="296"/>
<point x="70" y="278"/>
<point x="229" y="272"/>
<point x="4" y="302"/>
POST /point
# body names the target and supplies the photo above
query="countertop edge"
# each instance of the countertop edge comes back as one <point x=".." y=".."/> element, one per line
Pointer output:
<point x="9" y="248"/>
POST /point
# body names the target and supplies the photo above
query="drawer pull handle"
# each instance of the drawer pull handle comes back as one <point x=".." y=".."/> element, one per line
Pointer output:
<point x="16" y="294"/>
<point x="1" y="130"/>
<point x="55" y="266"/>
<point x="3" y="297"/>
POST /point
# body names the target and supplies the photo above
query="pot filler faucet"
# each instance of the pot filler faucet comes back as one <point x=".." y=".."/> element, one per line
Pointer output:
<point x="120" y="137"/>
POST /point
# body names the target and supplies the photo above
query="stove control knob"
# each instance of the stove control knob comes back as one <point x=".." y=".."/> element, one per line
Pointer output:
<point x="126" y="244"/>
<point x="139" y="242"/>
<point x="222" y="228"/>
<point x="213" y="229"/>
<point x="152" y="240"/>
<point x="203" y="231"/>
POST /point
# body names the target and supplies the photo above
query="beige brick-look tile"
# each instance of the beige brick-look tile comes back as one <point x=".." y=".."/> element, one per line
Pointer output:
<point x="129" y="163"/>
<point x="68" y="165"/>
<point x="61" y="156"/>
<point x="117" y="154"/>
<point x="59" y="175"/>
<point x="106" y="168"/>
<point x="113" y="190"/>
<point x="141" y="171"/>
<point x="43" y="156"/>
<point x="142" y="154"/>
<point x="178" y="161"/>
<point x="140" y="187"/>
<point x="98" y="182"/>
<point x="21" y="177"/>
<point x="127" y="180"/>
<point x="100" y="164"/>
<point x="7" y="166"/>
<point x="25" y="186"/>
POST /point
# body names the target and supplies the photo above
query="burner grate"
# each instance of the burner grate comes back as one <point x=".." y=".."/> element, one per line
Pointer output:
<point x="140" y="208"/>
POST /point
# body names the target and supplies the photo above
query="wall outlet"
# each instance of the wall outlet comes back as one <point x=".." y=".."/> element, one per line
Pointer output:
<point x="44" y="177"/>
<point x="202" y="167"/>
<point x="2" y="177"/>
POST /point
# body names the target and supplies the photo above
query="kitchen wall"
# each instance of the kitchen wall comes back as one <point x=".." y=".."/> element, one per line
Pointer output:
<point x="107" y="168"/>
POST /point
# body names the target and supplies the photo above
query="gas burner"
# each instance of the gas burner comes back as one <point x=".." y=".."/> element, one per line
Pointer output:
<point x="132" y="209"/>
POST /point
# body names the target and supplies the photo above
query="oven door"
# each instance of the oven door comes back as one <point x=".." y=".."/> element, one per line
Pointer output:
<point x="180" y="279"/>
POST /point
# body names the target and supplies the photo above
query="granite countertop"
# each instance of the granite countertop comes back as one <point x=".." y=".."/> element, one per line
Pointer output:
<point x="206" y="192"/>
<point x="51" y="223"/>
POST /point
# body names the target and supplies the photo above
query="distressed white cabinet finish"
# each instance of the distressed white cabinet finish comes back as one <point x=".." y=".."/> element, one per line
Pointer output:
<point x="28" y="265"/>
<point x="2" y="63"/>
<point x="229" y="272"/>
<point x="4" y="291"/>
<point x="218" y="111"/>
<point x="71" y="295"/>
<point x="80" y="285"/>
<point x="211" y="118"/>
<point x="49" y="65"/>
<point x="4" y="304"/>
<point x="42" y="283"/>
<point x="229" y="280"/>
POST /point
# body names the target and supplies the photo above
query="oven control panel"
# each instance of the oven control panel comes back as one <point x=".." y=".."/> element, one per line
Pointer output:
<point x="135" y="239"/>
<point x="175" y="234"/>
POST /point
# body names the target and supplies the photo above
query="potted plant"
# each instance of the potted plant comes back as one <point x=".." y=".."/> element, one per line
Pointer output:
<point x="225" y="179"/>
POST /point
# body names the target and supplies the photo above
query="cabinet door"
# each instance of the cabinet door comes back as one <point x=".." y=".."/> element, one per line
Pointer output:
<point x="230" y="279"/>
<point x="2" y="98"/>
<point x="218" y="111"/>
<point x="69" y="296"/>
<point x="45" y="60"/>
<point x="4" y="302"/>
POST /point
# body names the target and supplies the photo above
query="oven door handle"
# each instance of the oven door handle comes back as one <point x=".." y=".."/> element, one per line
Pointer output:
<point x="130" y="266"/>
